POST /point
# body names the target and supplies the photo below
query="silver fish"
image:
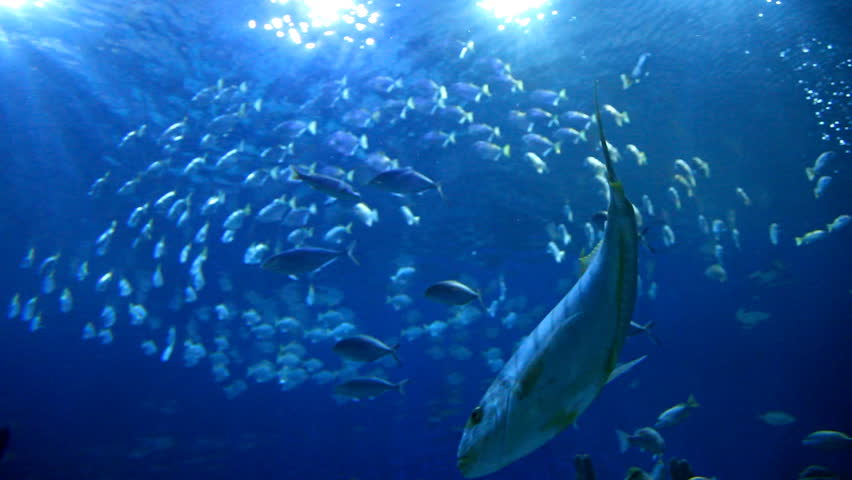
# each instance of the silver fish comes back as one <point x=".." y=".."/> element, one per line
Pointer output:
<point x="561" y="367"/>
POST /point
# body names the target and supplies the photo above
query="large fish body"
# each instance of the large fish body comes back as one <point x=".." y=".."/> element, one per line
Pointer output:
<point x="333" y="187"/>
<point x="404" y="181"/>
<point x="561" y="367"/>
<point x="297" y="261"/>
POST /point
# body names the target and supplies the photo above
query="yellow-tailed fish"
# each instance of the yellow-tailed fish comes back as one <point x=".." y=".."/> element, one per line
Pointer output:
<point x="561" y="367"/>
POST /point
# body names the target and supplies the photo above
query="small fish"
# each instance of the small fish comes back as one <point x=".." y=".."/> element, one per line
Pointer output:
<point x="336" y="234"/>
<point x="98" y="186"/>
<point x="821" y="185"/>
<point x="136" y="215"/>
<point x="541" y="143"/>
<point x="717" y="272"/>
<point x="364" y="348"/>
<point x="819" y="164"/>
<point x="29" y="259"/>
<point x="469" y="91"/>
<point x="402" y="275"/>
<point x="455" y="113"/>
<point x="405" y="181"/>
<point x="222" y="124"/>
<point x="635" y="75"/>
<point x="677" y="413"/>
<point x="838" y="223"/>
<point x="828" y="440"/>
<point x="157" y="277"/>
<point x="293" y="129"/>
<point x="569" y="133"/>
<point x="817" y="472"/>
<point x="702" y="165"/>
<point x="14" y="306"/>
<point x="548" y="98"/>
<point x="645" y="438"/>
<point x="399" y="301"/>
<point x="384" y="84"/>
<point x="743" y="196"/>
<point x="368" y="387"/>
<point x="491" y="151"/>
<point x="554" y="250"/>
<point x="537" y="163"/>
<point x="777" y="418"/>
<point x="668" y="236"/>
<point x="563" y="232"/>
<point x="467" y="47"/>
<point x="297" y="261"/>
<point x="236" y="218"/>
<point x="639" y="329"/>
<point x="576" y="119"/>
<point x="641" y="157"/>
<point x="409" y="216"/>
<point x="300" y="235"/>
<point x="174" y="133"/>
<point x="439" y="138"/>
<point x="274" y="211"/>
<point x="367" y="215"/>
<point x="452" y="292"/>
<point x="104" y="282"/>
<point x="346" y="143"/>
<point x="160" y="248"/>
<point x="810" y="237"/>
<point x="774" y="232"/>
<point x="675" y="196"/>
<point x="483" y="130"/>
<point x="333" y="187"/>
<point x="66" y="302"/>
<point x="621" y="118"/>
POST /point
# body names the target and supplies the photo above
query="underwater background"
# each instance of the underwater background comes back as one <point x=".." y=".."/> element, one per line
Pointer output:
<point x="758" y="90"/>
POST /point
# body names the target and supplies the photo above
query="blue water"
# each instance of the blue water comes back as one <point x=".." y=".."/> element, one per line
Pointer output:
<point x="756" y="89"/>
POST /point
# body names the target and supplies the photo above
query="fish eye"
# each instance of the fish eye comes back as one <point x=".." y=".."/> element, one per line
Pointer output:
<point x="476" y="415"/>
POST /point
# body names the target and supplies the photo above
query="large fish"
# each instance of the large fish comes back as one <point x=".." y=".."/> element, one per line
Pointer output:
<point x="561" y="367"/>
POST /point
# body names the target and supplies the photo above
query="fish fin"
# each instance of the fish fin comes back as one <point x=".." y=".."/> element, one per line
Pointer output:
<point x="401" y="386"/>
<point x="350" y="252"/>
<point x="481" y="302"/>
<point x="394" y="348"/>
<point x="624" y="368"/>
<point x="440" y="191"/>
<point x="645" y="240"/>
<point x="692" y="402"/>
<point x="623" y="440"/>
<point x="611" y="177"/>
<point x="654" y="339"/>
<point x="586" y="260"/>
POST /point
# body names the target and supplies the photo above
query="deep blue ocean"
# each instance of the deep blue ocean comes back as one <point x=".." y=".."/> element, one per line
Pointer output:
<point x="756" y="90"/>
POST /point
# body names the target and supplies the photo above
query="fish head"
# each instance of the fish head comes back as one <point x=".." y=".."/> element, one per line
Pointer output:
<point x="486" y="445"/>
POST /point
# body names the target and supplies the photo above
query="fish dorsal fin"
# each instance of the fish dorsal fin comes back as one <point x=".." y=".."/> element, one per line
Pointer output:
<point x="586" y="260"/>
<point x="611" y="178"/>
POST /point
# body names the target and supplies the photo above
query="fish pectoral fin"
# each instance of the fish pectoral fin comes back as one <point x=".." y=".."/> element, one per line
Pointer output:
<point x="624" y="368"/>
<point x="562" y="420"/>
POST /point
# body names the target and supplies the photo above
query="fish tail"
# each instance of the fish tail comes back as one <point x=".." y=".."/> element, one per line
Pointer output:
<point x="440" y="191"/>
<point x="623" y="440"/>
<point x="350" y="252"/>
<point x="481" y="301"/>
<point x="394" y="348"/>
<point x="294" y="173"/>
<point x="401" y="386"/>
